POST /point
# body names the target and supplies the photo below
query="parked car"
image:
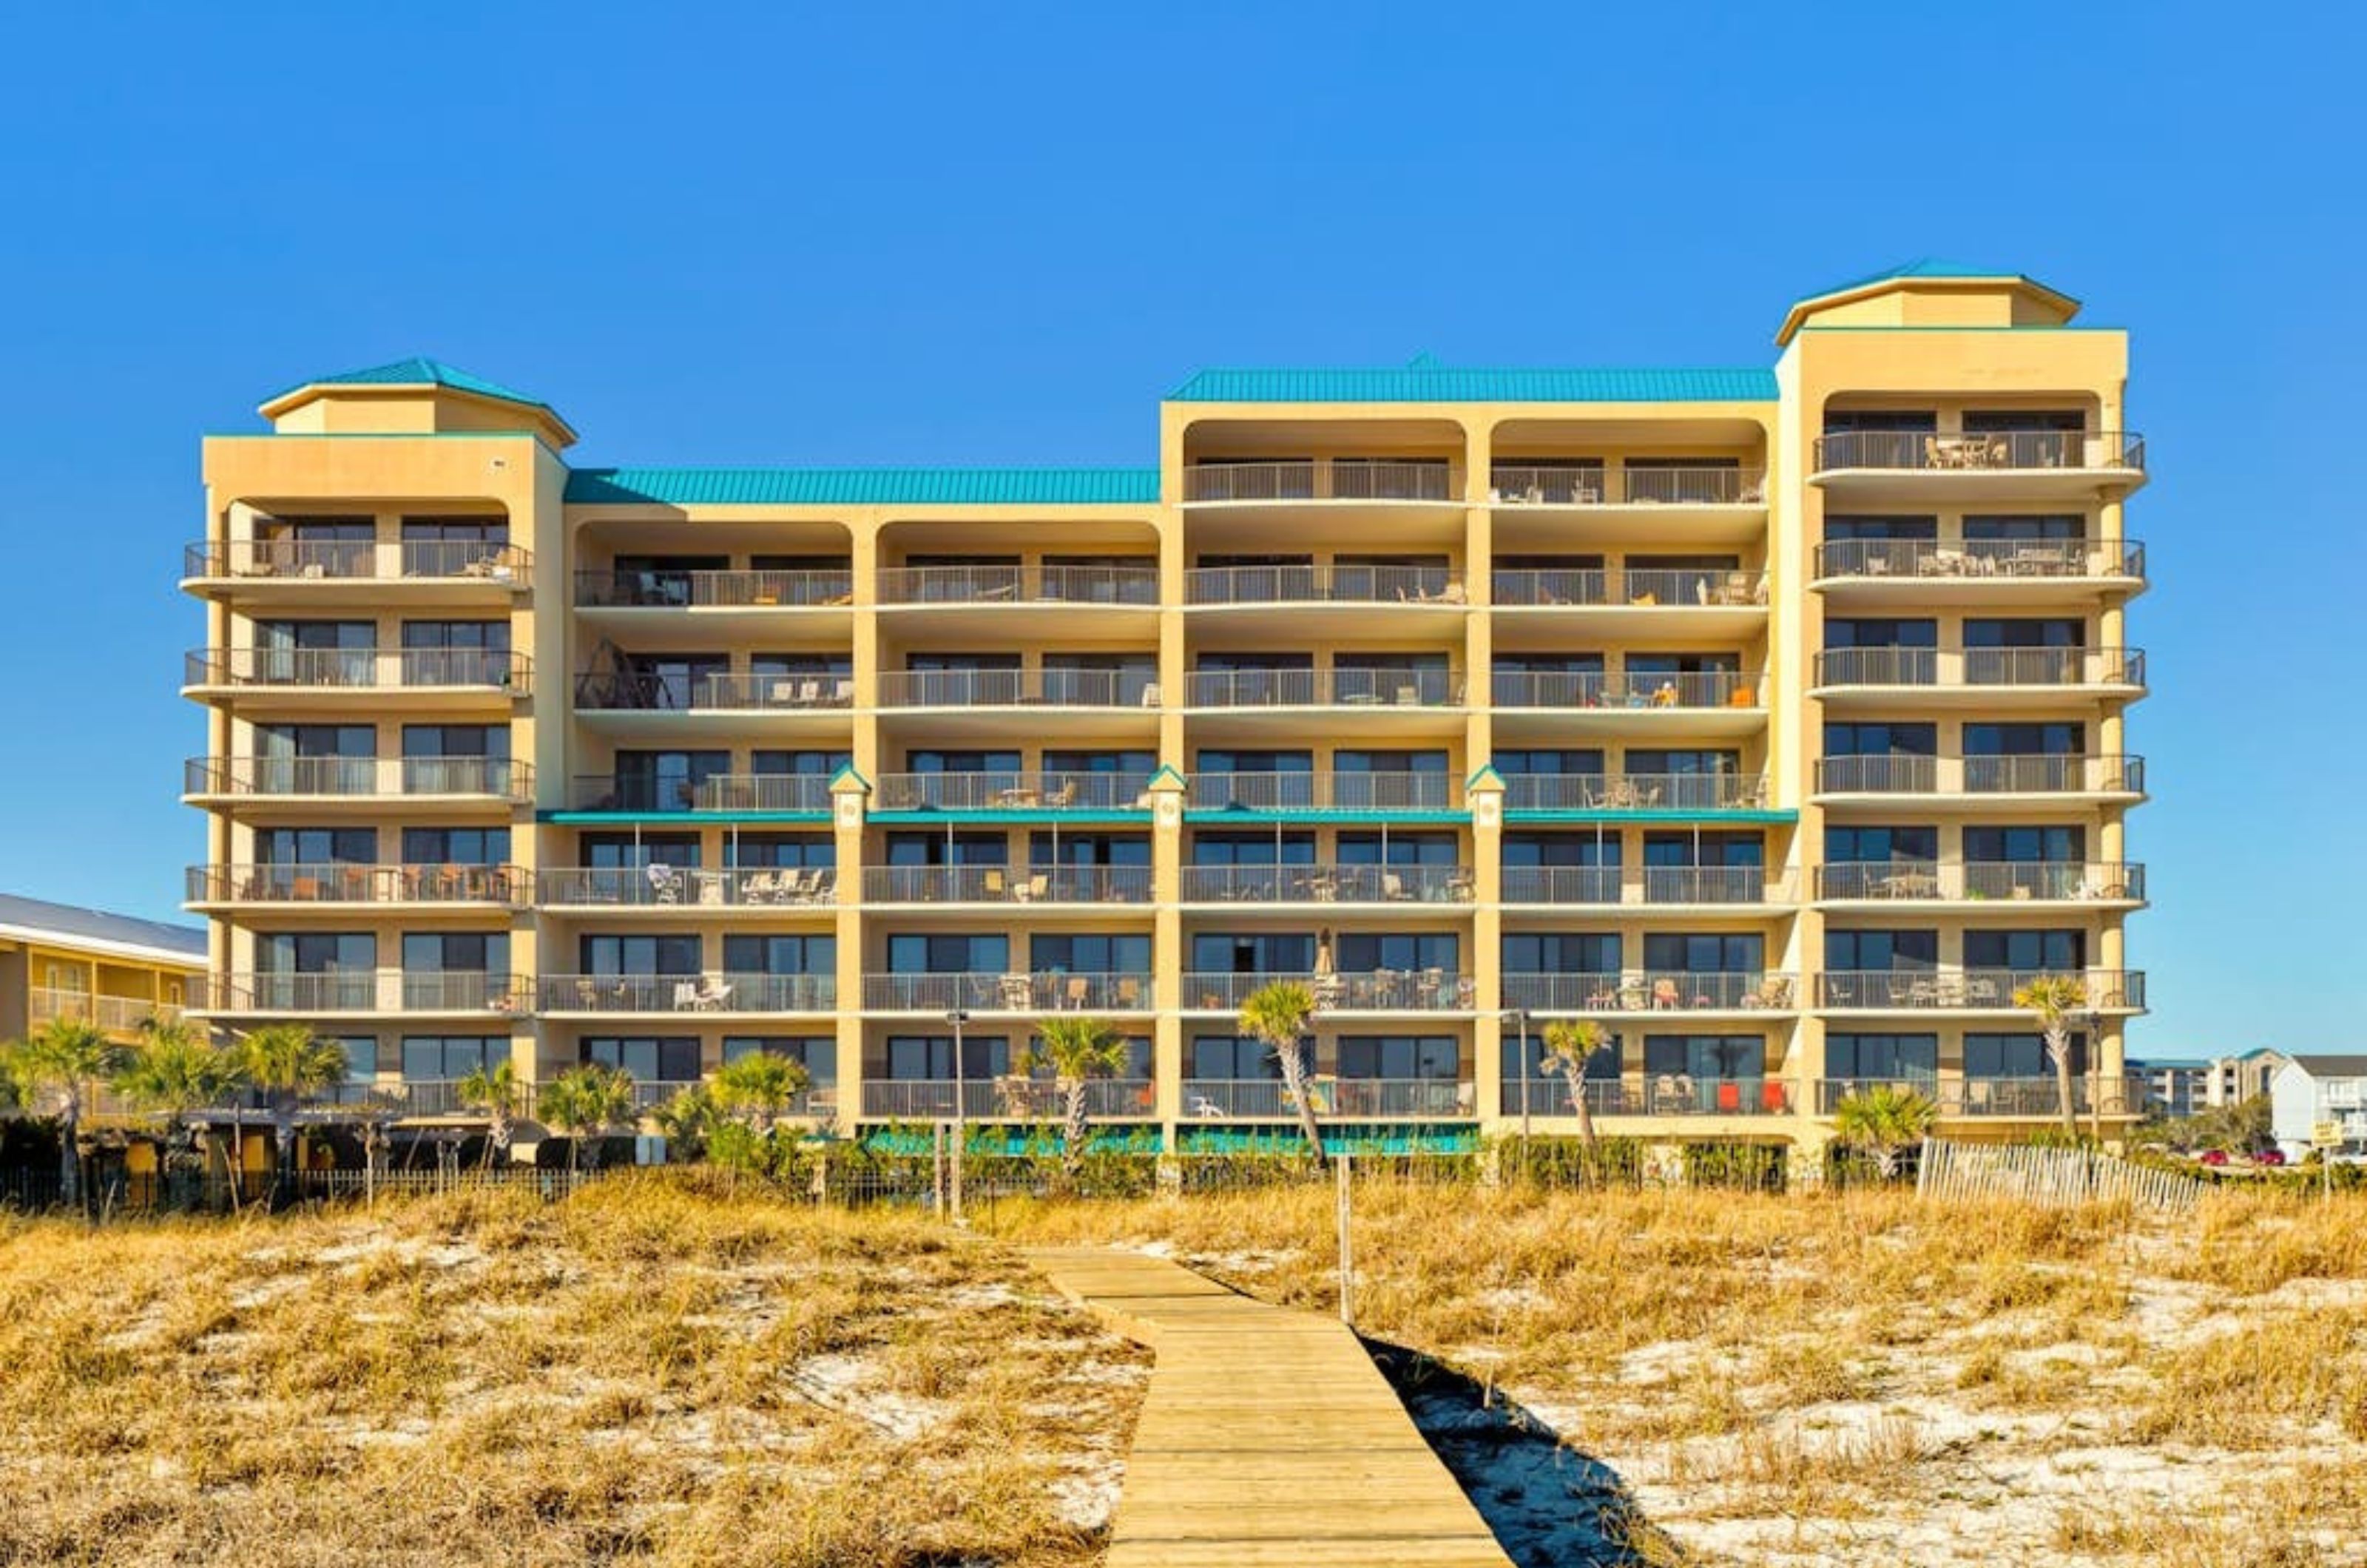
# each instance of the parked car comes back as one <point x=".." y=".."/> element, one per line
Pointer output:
<point x="2269" y="1156"/>
<point x="2214" y="1156"/>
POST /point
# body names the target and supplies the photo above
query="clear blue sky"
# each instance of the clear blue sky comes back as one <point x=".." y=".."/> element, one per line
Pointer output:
<point x="886" y="233"/>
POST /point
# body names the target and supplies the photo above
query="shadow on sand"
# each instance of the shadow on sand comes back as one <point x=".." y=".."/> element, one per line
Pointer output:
<point x="1549" y="1506"/>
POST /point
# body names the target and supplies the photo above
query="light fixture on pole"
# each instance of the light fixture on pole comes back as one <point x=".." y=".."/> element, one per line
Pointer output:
<point x="959" y="1017"/>
<point x="1521" y="1016"/>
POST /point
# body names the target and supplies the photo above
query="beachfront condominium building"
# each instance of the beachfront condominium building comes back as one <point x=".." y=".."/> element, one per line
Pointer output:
<point x="116" y="973"/>
<point x="1772" y="717"/>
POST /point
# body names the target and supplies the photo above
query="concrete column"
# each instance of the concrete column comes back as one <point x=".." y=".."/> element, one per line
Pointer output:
<point x="849" y="792"/>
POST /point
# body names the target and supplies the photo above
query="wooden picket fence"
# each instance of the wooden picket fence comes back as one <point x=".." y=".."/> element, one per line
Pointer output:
<point x="2057" y="1179"/>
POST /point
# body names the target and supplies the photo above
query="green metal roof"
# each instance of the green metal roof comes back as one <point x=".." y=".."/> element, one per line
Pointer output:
<point x="1423" y="382"/>
<point x="1925" y="267"/>
<point x="416" y="371"/>
<point x="864" y="486"/>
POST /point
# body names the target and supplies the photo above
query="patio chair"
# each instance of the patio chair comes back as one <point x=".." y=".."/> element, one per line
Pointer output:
<point x="1665" y="994"/>
<point x="1063" y="797"/>
<point x="1392" y="885"/>
<point x="1016" y="993"/>
<point x="992" y="884"/>
<point x="1201" y="1106"/>
<point x="763" y="887"/>
<point x="665" y="881"/>
<point x="686" y="996"/>
<point x="712" y="993"/>
<point x="1079" y="990"/>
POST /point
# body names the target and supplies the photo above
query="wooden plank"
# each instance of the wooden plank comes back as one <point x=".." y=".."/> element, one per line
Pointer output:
<point x="1267" y="1435"/>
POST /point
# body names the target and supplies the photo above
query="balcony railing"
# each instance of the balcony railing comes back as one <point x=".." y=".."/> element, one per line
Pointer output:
<point x="688" y="993"/>
<point x="358" y="669"/>
<point x="659" y="887"/>
<point x="1956" y="880"/>
<point x="1358" y="687"/>
<point x="2020" y="774"/>
<point x="621" y="692"/>
<point x="359" y="561"/>
<point x="1657" y="1094"/>
<point x="1048" y="991"/>
<point x="1980" y="667"/>
<point x="806" y="793"/>
<point x="2017" y="1097"/>
<point x="373" y="990"/>
<point x="1635" y="792"/>
<point x="1018" y="688"/>
<point x="344" y="881"/>
<point x="1324" y="585"/>
<point x="1002" y="1099"/>
<point x="1667" y="884"/>
<point x="1006" y="885"/>
<point x="1516" y="484"/>
<point x="596" y="589"/>
<point x="1645" y="586"/>
<point x="1379" y="990"/>
<point x="1268" y="1100"/>
<point x="1637" y="689"/>
<point x="1322" y="479"/>
<point x="1997" y="450"/>
<point x="1397" y="791"/>
<point x="1653" y="990"/>
<point x="1327" y="885"/>
<point x="1120" y="585"/>
<point x="1011" y="792"/>
<point x="117" y="1015"/>
<point x="360" y="777"/>
<point x="1981" y="558"/>
<point x="2108" y="990"/>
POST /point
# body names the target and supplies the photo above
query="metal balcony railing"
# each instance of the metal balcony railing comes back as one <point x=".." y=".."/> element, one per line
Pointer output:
<point x="1049" y="687"/>
<point x="1269" y="1100"/>
<point x="808" y="793"/>
<point x="1006" y="885"/>
<point x="1004" y="1099"/>
<point x="1982" y="559"/>
<point x="1625" y="688"/>
<point x="1327" y="885"/>
<point x="2054" y="776"/>
<point x="1333" y="584"/>
<point x="117" y="1015"/>
<point x="1011" y="792"/>
<point x="2108" y="990"/>
<point x="1395" y="791"/>
<point x="735" y="993"/>
<point x="1667" y="884"/>
<point x="2067" y="881"/>
<point x="2017" y="1097"/>
<point x="1379" y="990"/>
<point x="660" y="886"/>
<point x="360" y="777"/>
<point x="1996" y="450"/>
<point x="1563" y="885"/>
<point x="1653" y="990"/>
<point x="1678" y="588"/>
<point x="612" y="690"/>
<point x="373" y="990"/>
<point x="1635" y="792"/>
<point x="1323" y="478"/>
<point x="1657" y="1094"/>
<point x="1375" y="686"/>
<point x="1980" y="667"/>
<point x="346" y="881"/>
<point x="1044" y="991"/>
<point x="1519" y="484"/>
<point x="360" y="561"/>
<point x="1016" y="585"/>
<point x="363" y="668"/>
<point x="600" y="588"/>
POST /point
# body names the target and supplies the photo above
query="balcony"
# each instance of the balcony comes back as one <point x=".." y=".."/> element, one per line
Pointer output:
<point x="1525" y="485"/>
<point x="799" y="795"/>
<point x="1007" y="993"/>
<point x="1412" y="686"/>
<point x="1986" y="571"/>
<point x="1696" y="704"/>
<point x="1380" y="990"/>
<point x="599" y="589"/>
<point x="1233" y="587"/>
<point x="1413" y="885"/>
<point x="1965" y="991"/>
<point x="1983" y="677"/>
<point x="736" y="692"/>
<point x="1660" y="1094"/>
<point x="1653" y="991"/>
<point x="1618" y="601"/>
<point x="1004" y="1100"/>
<point x="1043" y="885"/>
<point x="1268" y="1100"/>
<point x="444" y="569"/>
<point x="1011" y="792"/>
<point x="1739" y="887"/>
<point x="1671" y="795"/>
<point x="687" y="890"/>
<point x="320" y="781"/>
<point x="678" y="994"/>
<point x="1999" y="782"/>
<point x="393" y="991"/>
<point x="2026" y="1099"/>
<point x="345" y="885"/>
<point x="1015" y="586"/>
<point x="1381" y="794"/>
<point x="116" y="1015"/>
<point x="1036" y="690"/>
<point x="1979" y="882"/>
<point x="1972" y="465"/>
<point x="309" y="677"/>
<point x="1323" y="481"/>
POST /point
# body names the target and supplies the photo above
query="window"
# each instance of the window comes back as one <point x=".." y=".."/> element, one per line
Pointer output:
<point x="456" y="846"/>
<point x="1253" y="849"/>
<point x="1914" y="421"/>
<point x="1261" y="952"/>
<point x="431" y="740"/>
<point x="1063" y="953"/>
<point x="665" y="1058"/>
<point x="1560" y="952"/>
<point x="316" y="846"/>
<point x="1838" y="528"/>
<point x="665" y="781"/>
<point x="1882" y="950"/>
<point x="948" y="849"/>
<point x="315" y="952"/>
<point x="427" y="1058"/>
<point x="781" y="851"/>
<point x="606" y="954"/>
<point x="795" y="764"/>
<point x="473" y="637"/>
<point x="1601" y="1067"/>
<point x="933" y="762"/>
<point x="1370" y="761"/>
<point x="610" y="851"/>
<point x="2017" y="1056"/>
<point x="1122" y="764"/>
<point x="2053" y="529"/>
<point x="1706" y="1056"/>
<point x="1912" y="1057"/>
<point x="1710" y="849"/>
<point x="1688" y="764"/>
<point x="1362" y="952"/>
<point x="1881" y="633"/>
<point x="1399" y="849"/>
<point x="1878" y="844"/>
<point x="1210" y="759"/>
<point x="818" y="1053"/>
<point x="780" y="955"/>
<point x="948" y="953"/>
<point x="280" y="741"/>
<point x="2052" y="740"/>
<point x="2027" y="951"/>
<point x="673" y="681"/>
<point x="930" y="1058"/>
<point x="2042" y="845"/>
<point x="1089" y="848"/>
<point x="1705" y="952"/>
<point x="1400" y="1057"/>
<point x="2025" y="632"/>
<point x="1882" y="739"/>
<point x="1233" y="1056"/>
<point x="1522" y="850"/>
<point x="456" y="952"/>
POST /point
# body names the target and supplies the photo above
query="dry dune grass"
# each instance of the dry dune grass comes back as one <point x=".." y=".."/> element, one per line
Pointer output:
<point x="645" y="1373"/>
<point x="1856" y="1377"/>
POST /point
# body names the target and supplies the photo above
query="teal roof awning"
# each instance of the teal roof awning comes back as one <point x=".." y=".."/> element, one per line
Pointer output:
<point x="1426" y="383"/>
<point x="419" y="371"/>
<point x="864" y="486"/>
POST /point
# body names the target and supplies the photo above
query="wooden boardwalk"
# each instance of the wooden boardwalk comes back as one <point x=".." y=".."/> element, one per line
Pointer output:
<point x="1268" y="1435"/>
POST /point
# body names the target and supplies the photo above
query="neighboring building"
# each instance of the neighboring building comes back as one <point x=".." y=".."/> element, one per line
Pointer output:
<point x="1776" y="717"/>
<point x="2309" y="1088"/>
<point x="60" y="962"/>
<point x="2171" y="1089"/>
<point x="2231" y="1081"/>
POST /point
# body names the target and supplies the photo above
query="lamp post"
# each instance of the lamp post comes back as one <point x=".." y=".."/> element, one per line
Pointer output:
<point x="959" y="1017"/>
<point x="2091" y="1022"/>
<point x="1521" y="1016"/>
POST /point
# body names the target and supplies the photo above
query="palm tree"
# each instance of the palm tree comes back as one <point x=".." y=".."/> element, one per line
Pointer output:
<point x="63" y="1059"/>
<point x="686" y="1120"/>
<point x="1078" y="1049"/>
<point x="174" y="1071"/>
<point x="1885" y="1120"/>
<point x="585" y="1102"/>
<point x="290" y="1063"/>
<point x="2051" y="999"/>
<point x="1570" y="1047"/>
<point x="1278" y="1014"/>
<point x="492" y="1093"/>
<point x="759" y="1089"/>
